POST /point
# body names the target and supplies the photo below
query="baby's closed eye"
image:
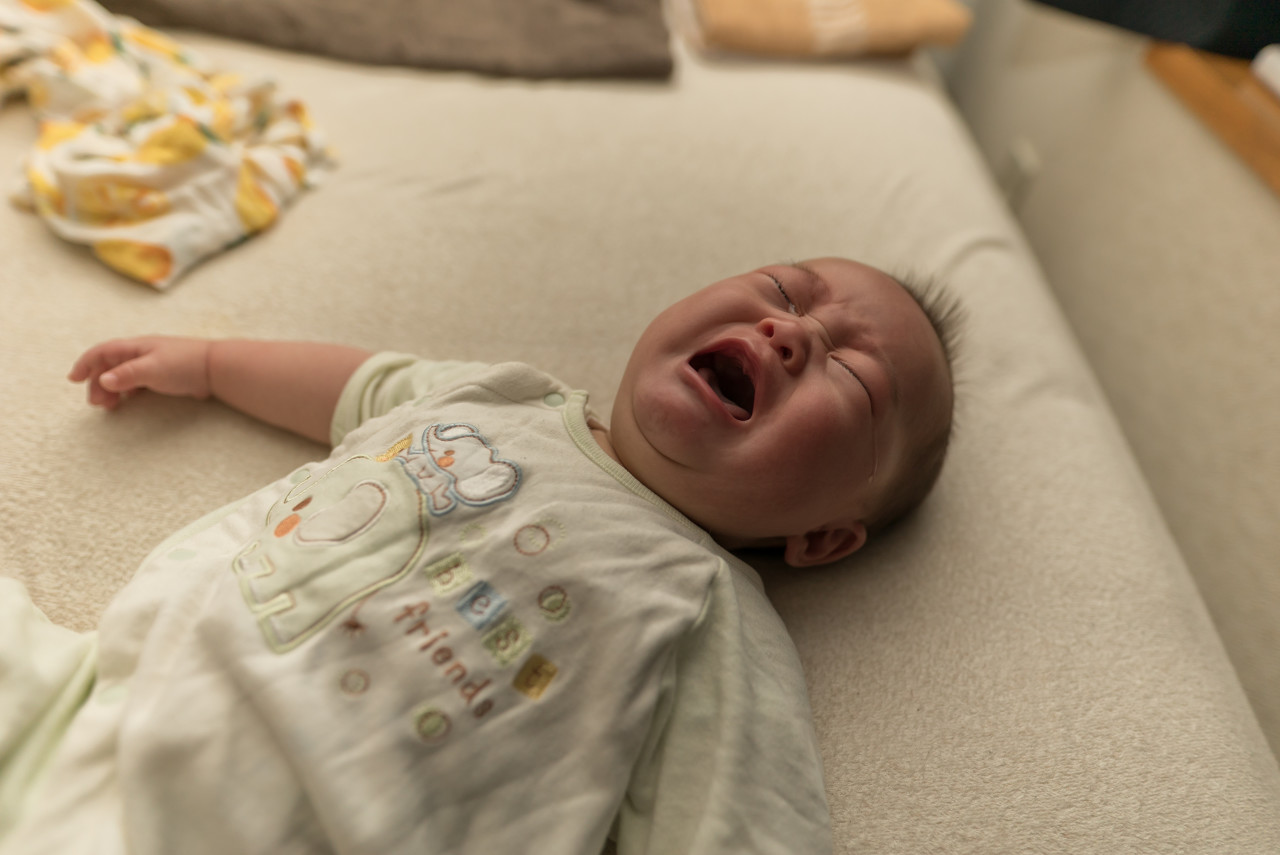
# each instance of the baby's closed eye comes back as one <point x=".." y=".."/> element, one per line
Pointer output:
<point x="791" y="306"/>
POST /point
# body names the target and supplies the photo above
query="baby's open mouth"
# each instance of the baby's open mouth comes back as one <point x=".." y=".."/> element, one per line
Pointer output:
<point x="725" y="374"/>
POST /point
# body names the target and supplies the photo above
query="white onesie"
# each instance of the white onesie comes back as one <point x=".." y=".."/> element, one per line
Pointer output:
<point x="467" y="630"/>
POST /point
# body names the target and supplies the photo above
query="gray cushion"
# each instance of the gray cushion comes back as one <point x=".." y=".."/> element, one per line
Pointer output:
<point x="530" y="38"/>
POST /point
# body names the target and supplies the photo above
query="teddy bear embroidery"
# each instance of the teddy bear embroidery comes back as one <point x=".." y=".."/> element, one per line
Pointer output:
<point x="454" y="464"/>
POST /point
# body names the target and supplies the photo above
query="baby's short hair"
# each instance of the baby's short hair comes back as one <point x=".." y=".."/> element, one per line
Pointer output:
<point x="930" y="437"/>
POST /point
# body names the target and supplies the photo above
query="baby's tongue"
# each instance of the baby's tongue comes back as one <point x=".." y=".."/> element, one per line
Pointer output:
<point x="714" y="382"/>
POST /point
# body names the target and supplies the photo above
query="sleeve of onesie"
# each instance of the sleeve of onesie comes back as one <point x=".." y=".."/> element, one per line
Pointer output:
<point x="384" y="381"/>
<point x="732" y="764"/>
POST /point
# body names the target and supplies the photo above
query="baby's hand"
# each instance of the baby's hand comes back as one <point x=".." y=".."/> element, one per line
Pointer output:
<point x="171" y="366"/>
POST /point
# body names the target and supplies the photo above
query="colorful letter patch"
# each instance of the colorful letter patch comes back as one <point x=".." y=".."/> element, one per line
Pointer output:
<point x="481" y="605"/>
<point x="448" y="574"/>
<point x="507" y="640"/>
<point x="535" y="676"/>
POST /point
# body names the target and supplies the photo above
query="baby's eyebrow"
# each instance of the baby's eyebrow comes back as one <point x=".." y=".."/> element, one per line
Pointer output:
<point x="809" y="272"/>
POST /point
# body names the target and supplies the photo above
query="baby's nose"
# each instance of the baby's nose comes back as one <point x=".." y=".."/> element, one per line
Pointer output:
<point x="788" y="339"/>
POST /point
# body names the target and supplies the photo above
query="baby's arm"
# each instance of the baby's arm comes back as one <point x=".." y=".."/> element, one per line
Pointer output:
<point x="293" y="385"/>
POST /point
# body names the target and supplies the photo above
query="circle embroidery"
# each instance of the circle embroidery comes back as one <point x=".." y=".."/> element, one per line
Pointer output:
<point x="431" y="725"/>
<point x="553" y="602"/>
<point x="354" y="682"/>
<point x="532" y="540"/>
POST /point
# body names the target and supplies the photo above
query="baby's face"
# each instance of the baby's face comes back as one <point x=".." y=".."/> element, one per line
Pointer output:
<point x="771" y="405"/>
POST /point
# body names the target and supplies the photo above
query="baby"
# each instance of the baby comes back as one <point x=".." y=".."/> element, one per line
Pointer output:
<point x="488" y="622"/>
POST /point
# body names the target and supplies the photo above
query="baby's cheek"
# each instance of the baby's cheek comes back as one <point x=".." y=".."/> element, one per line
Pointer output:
<point x="823" y="454"/>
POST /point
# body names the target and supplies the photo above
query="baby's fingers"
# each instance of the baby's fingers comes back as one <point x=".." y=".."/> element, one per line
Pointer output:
<point x="102" y="357"/>
<point x="100" y="397"/>
<point x="137" y="373"/>
<point x="101" y="366"/>
<point x="164" y="364"/>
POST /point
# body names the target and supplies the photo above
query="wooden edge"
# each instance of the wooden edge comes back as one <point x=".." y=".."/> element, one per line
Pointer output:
<point x="1226" y="96"/>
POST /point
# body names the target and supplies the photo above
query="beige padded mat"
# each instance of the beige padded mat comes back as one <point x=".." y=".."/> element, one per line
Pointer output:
<point x="1025" y="667"/>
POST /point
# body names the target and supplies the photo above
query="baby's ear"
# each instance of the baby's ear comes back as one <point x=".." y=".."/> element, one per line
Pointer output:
<point x="824" y="545"/>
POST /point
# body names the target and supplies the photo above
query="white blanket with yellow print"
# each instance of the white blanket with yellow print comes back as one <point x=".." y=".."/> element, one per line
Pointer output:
<point x="146" y="154"/>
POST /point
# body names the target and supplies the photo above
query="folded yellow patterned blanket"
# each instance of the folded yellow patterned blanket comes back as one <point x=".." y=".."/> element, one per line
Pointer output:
<point x="820" y="28"/>
<point x="146" y="154"/>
